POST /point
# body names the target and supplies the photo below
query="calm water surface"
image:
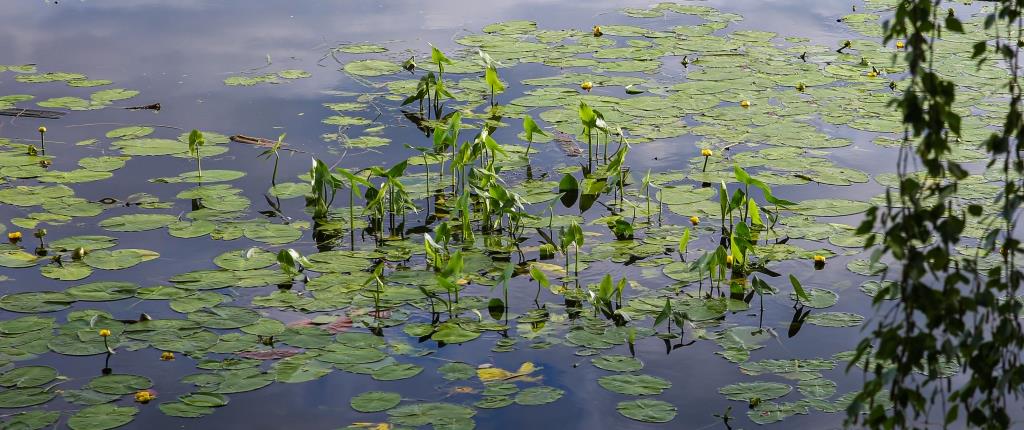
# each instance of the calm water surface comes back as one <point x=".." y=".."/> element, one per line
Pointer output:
<point x="178" y="53"/>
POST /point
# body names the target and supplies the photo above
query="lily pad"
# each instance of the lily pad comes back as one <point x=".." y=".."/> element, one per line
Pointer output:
<point x="648" y="411"/>
<point x="375" y="401"/>
<point x="617" y="363"/>
<point x="538" y="395"/>
<point x="748" y="391"/>
<point x="102" y="417"/>
<point x="634" y="385"/>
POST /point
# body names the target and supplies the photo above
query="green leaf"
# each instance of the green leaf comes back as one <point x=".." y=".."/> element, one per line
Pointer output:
<point x="648" y="411"/>
<point x="798" y="288"/>
<point x="530" y="127"/>
<point x="634" y="385"/>
<point x="102" y="417"/>
<point x="375" y="401"/>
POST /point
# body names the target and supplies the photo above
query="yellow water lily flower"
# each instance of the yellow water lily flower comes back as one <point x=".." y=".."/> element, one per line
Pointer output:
<point x="104" y="332"/>
<point x="694" y="220"/>
<point x="42" y="129"/>
<point x="14" y="236"/>
<point x="706" y="152"/>
<point x="167" y="356"/>
<point x="728" y="260"/>
<point x="819" y="258"/>
<point x="587" y="85"/>
<point x="745" y="103"/>
<point x="144" y="396"/>
<point x="872" y="74"/>
<point x="900" y="44"/>
<point x="597" y="31"/>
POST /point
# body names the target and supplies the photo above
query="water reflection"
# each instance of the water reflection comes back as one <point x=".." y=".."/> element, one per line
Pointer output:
<point x="178" y="53"/>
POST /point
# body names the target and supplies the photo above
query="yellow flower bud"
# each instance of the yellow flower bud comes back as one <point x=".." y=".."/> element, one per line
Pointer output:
<point x="597" y="31"/>
<point x="745" y="103"/>
<point x="167" y="356"/>
<point x="872" y="74"/>
<point x="144" y="396"/>
<point x="728" y="260"/>
<point x="706" y="152"/>
<point x="587" y="85"/>
<point x="694" y="220"/>
<point x="819" y="258"/>
<point x="900" y="44"/>
<point x="42" y="129"/>
<point x="801" y="87"/>
<point x="14" y="236"/>
<point x="104" y="332"/>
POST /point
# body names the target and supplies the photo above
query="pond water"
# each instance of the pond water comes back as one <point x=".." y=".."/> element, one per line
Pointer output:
<point x="763" y="87"/>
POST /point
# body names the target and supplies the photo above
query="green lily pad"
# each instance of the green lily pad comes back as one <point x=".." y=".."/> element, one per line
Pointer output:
<point x="90" y="243"/>
<point x="830" y="207"/>
<point x="445" y="415"/>
<point x="119" y="384"/>
<point x="748" y="391"/>
<point x="206" y="400"/>
<point x="72" y="271"/>
<point x="372" y="68"/>
<point x="634" y="385"/>
<point x="617" y="363"/>
<point x="538" y="395"/>
<point x="28" y="376"/>
<point x="118" y="259"/>
<point x="137" y="222"/>
<point x="23" y="397"/>
<point x="818" y="298"/>
<point x="648" y="411"/>
<point x="35" y="302"/>
<point x="224" y="317"/>
<point x="184" y="410"/>
<point x="395" y="372"/>
<point x="457" y="371"/>
<point x="31" y="420"/>
<point x="375" y="401"/>
<point x="102" y="417"/>
<point x="130" y="132"/>
<point x="453" y="333"/>
<point x="88" y="397"/>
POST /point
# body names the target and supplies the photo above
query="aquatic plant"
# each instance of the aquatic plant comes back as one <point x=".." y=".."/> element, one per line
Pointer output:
<point x="323" y="187"/>
<point x="273" y="151"/>
<point x="354" y="182"/>
<point x="42" y="138"/>
<point x="196" y="140"/>
<point x="529" y="128"/>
